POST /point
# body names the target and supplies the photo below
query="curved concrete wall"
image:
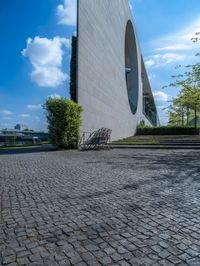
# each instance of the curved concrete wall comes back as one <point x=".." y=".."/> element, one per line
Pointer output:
<point x="102" y="87"/>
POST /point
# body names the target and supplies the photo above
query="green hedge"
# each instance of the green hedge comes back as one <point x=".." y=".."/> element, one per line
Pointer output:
<point x="64" y="120"/>
<point x="167" y="130"/>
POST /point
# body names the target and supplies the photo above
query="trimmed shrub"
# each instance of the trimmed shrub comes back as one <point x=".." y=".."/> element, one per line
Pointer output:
<point x="167" y="130"/>
<point x="64" y="120"/>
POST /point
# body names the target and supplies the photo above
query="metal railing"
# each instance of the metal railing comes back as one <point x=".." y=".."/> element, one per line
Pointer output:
<point x="96" y="140"/>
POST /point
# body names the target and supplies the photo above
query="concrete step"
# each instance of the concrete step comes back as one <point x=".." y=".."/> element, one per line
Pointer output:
<point x="180" y="143"/>
<point x="156" y="146"/>
<point x="181" y="140"/>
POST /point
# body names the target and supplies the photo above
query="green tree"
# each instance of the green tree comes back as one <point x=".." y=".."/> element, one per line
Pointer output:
<point x="64" y="120"/>
<point x="176" y="114"/>
<point x="190" y="98"/>
<point x="187" y="101"/>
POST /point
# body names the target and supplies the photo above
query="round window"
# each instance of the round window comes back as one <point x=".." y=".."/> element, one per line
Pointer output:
<point x="131" y="67"/>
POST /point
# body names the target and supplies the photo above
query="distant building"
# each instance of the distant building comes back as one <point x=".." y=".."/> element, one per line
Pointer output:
<point x="15" y="136"/>
<point x="20" y="127"/>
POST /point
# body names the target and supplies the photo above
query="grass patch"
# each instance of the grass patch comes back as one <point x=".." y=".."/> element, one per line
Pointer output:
<point x="136" y="141"/>
<point x="153" y="140"/>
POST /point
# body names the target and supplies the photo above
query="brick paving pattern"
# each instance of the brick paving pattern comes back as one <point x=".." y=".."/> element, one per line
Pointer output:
<point x="118" y="207"/>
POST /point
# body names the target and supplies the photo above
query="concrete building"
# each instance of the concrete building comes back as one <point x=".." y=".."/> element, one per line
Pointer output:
<point x="113" y="86"/>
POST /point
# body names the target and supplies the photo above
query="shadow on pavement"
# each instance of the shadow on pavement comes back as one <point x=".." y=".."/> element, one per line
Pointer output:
<point x="23" y="150"/>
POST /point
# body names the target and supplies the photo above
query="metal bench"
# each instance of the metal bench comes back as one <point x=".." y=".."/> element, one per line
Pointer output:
<point x="96" y="140"/>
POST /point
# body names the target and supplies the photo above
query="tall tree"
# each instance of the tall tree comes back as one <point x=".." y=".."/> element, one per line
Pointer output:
<point x="188" y="98"/>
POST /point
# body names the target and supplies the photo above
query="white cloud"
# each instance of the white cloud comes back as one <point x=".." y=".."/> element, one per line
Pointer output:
<point x="159" y="60"/>
<point x="171" y="58"/>
<point x="67" y="12"/>
<point x="5" y="112"/>
<point x="48" y="77"/>
<point x="24" y="115"/>
<point x="46" y="56"/>
<point x="176" y="48"/>
<point x="150" y="62"/>
<point x="160" y="96"/>
<point x="180" y="40"/>
<point x="131" y="7"/>
<point x="34" y="106"/>
<point x="151" y="76"/>
<point x="167" y="52"/>
<point x="54" y="96"/>
<point x="160" y="106"/>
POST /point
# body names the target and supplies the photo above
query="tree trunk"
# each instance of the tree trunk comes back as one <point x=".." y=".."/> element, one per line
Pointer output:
<point x="195" y="116"/>
<point x="182" y="118"/>
<point x="187" y="116"/>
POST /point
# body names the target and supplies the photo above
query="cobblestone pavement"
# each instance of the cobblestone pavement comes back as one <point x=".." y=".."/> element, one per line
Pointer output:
<point x="118" y="207"/>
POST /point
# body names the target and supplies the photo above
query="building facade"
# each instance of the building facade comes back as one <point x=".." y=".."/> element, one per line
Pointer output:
<point x="112" y="83"/>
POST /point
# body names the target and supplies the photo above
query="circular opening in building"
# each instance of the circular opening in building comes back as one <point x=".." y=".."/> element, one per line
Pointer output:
<point x="131" y="67"/>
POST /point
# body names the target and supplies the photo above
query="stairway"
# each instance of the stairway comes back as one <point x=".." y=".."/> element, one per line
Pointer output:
<point x="190" y="142"/>
<point x="170" y="142"/>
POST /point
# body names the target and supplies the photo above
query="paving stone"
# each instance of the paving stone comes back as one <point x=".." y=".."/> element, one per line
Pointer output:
<point x="23" y="254"/>
<point x="117" y="207"/>
<point x="91" y="247"/>
<point x="192" y="253"/>
<point x="135" y="261"/>
<point x="23" y="261"/>
<point x="116" y="257"/>
<point x="75" y="260"/>
<point x="93" y="262"/>
<point x="174" y="259"/>
<point x="8" y="259"/>
<point x="87" y="256"/>
<point x="109" y="250"/>
<point x="124" y="263"/>
<point x="121" y="250"/>
<point x="105" y="260"/>
<point x="164" y="254"/>
<point x="66" y="262"/>
<point x="80" y="264"/>
<point x="165" y="263"/>
<point x="157" y="249"/>
<point x="35" y="258"/>
<point x="194" y="262"/>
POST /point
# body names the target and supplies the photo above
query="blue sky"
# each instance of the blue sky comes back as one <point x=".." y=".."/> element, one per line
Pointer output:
<point x="35" y="51"/>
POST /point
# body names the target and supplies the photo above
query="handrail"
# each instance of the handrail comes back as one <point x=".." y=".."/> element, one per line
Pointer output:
<point x="98" y="139"/>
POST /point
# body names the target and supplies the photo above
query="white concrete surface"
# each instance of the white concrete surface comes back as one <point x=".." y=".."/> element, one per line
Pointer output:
<point x="102" y="89"/>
